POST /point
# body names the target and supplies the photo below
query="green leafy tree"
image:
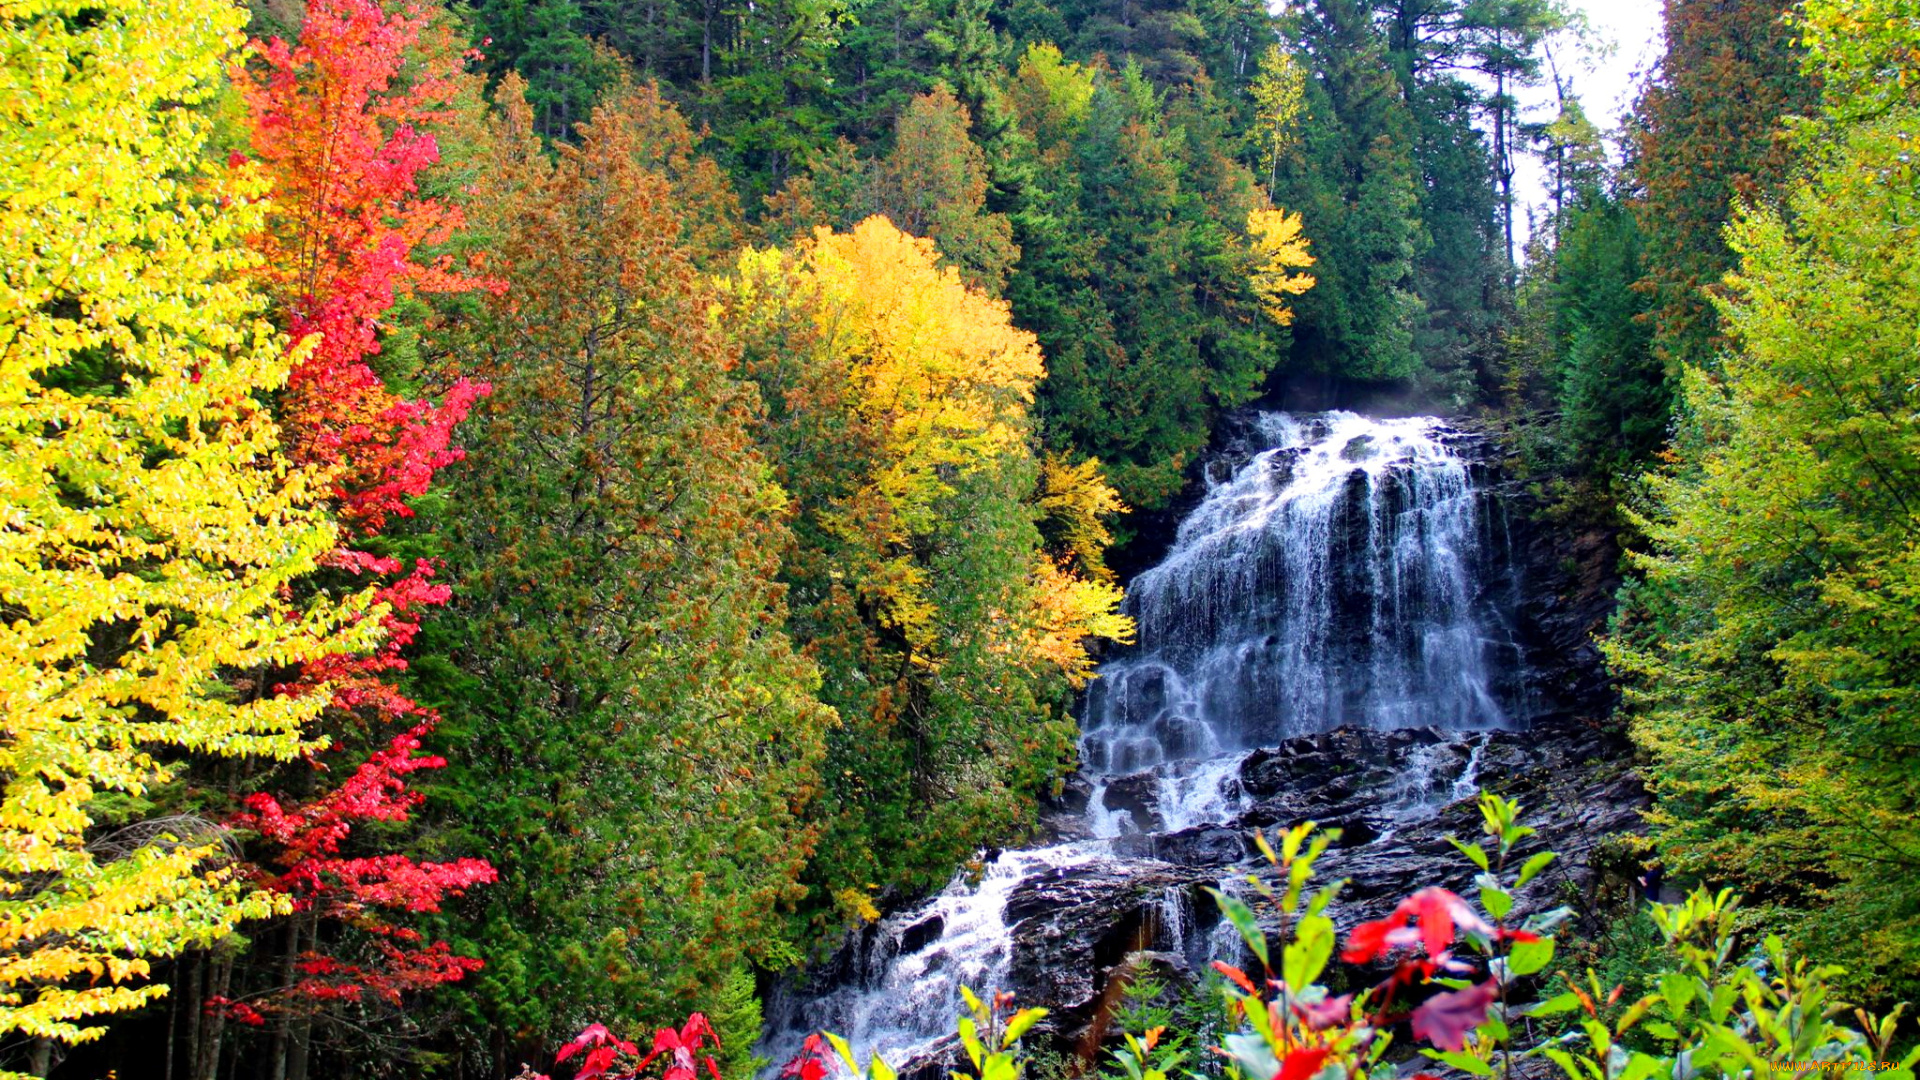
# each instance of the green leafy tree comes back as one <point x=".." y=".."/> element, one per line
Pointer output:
<point x="549" y="43"/>
<point x="1770" y="652"/>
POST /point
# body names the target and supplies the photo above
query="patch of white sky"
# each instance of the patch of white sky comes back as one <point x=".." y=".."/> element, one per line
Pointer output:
<point x="1607" y="64"/>
<point x="1606" y="60"/>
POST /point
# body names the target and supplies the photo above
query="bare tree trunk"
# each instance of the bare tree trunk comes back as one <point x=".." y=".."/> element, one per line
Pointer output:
<point x="283" y="1025"/>
<point x="706" y="42"/>
<point x="173" y="1020"/>
<point x="300" y="1035"/>
<point x="214" y="1024"/>
<point x="301" y="1051"/>
<point x="196" y="1011"/>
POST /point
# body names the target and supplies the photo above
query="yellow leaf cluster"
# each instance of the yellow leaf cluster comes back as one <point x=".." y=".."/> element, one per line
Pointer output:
<point x="149" y="527"/>
<point x="945" y="372"/>
<point x="1078" y="501"/>
<point x="1279" y="250"/>
<point x="942" y="376"/>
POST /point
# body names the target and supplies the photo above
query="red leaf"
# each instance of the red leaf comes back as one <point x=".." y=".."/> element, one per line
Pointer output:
<point x="1434" y="908"/>
<point x="1304" y="1063"/>
<point x="1329" y="1012"/>
<point x="1367" y="941"/>
<point x="1239" y="977"/>
<point x="591" y="1035"/>
<point x="1445" y="1019"/>
<point x="813" y="1062"/>
<point x="599" y="1060"/>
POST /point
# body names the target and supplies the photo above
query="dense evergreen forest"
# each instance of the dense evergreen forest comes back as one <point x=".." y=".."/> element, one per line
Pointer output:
<point x="549" y="512"/>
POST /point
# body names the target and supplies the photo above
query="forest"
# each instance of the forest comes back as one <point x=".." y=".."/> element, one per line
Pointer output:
<point x="531" y="520"/>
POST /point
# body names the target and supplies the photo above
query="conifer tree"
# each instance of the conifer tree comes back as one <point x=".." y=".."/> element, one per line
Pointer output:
<point x="1711" y="135"/>
<point x="630" y="737"/>
<point x="934" y="184"/>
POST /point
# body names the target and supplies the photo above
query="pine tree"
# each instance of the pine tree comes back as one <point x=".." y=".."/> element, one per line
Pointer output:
<point x="1136" y="272"/>
<point x="1355" y="185"/>
<point x="1711" y="135"/>
<point x="934" y="184"/>
<point x="630" y="736"/>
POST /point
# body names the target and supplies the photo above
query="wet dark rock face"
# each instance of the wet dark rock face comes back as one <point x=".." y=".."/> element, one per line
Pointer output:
<point x="1571" y="780"/>
<point x="1074" y="924"/>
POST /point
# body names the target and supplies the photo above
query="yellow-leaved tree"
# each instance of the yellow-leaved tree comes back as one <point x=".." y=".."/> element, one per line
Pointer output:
<point x="947" y="379"/>
<point x="149" y="526"/>
<point x="1280" y="250"/>
<point x="947" y="578"/>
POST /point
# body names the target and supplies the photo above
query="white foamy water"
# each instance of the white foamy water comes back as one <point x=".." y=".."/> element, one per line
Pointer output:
<point x="1330" y="580"/>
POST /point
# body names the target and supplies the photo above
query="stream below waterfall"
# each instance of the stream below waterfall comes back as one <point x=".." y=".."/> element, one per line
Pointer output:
<point x="1340" y="593"/>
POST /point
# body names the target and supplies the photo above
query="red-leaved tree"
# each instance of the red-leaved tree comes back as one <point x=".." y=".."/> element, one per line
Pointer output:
<point x="343" y="122"/>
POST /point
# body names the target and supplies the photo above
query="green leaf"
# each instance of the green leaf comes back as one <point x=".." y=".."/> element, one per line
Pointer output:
<point x="1472" y="851"/>
<point x="1290" y="841"/>
<point x="845" y="1051"/>
<point x="1679" y="991"/>
<point x="1304" y="959"/>
<point x="1528" y="957"/>
<point x="970" y="1038"/>
<point x="1021" y="1022"/>
<point x="1553" y="1006"/>
<point x="1324" y="897"/>
<point x="1241" y="916"/>
<point x="1566" y="1063"/>
<point x="1495" y="1030"/>
<point x="1465" y="1062"/>
<point x="1634" y="1014"/>
<point x="1642" y="1066"/>
<point x="1533" y="866"/>
<point x="1498" y="902"/>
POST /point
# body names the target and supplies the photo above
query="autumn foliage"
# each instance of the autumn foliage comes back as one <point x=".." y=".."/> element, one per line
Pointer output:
<point x="155" y="532"/>
<point x="342" y="122"/>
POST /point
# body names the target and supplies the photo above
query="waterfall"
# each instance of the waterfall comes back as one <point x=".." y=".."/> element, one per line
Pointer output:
<point x="1339" y="577"/>
<point x="1330" y="581"/>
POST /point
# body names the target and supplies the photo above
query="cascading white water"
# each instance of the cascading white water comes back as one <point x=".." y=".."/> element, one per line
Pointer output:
<point x="906" y="989"/>
<point x="1331" y="580"/>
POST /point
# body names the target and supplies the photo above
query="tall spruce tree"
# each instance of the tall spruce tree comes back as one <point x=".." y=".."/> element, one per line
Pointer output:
<point x="1356" y="186"/>
<point x="1711" y="134"/>
<point x="1135" y="272"/>
<point x="636" y="735"/>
